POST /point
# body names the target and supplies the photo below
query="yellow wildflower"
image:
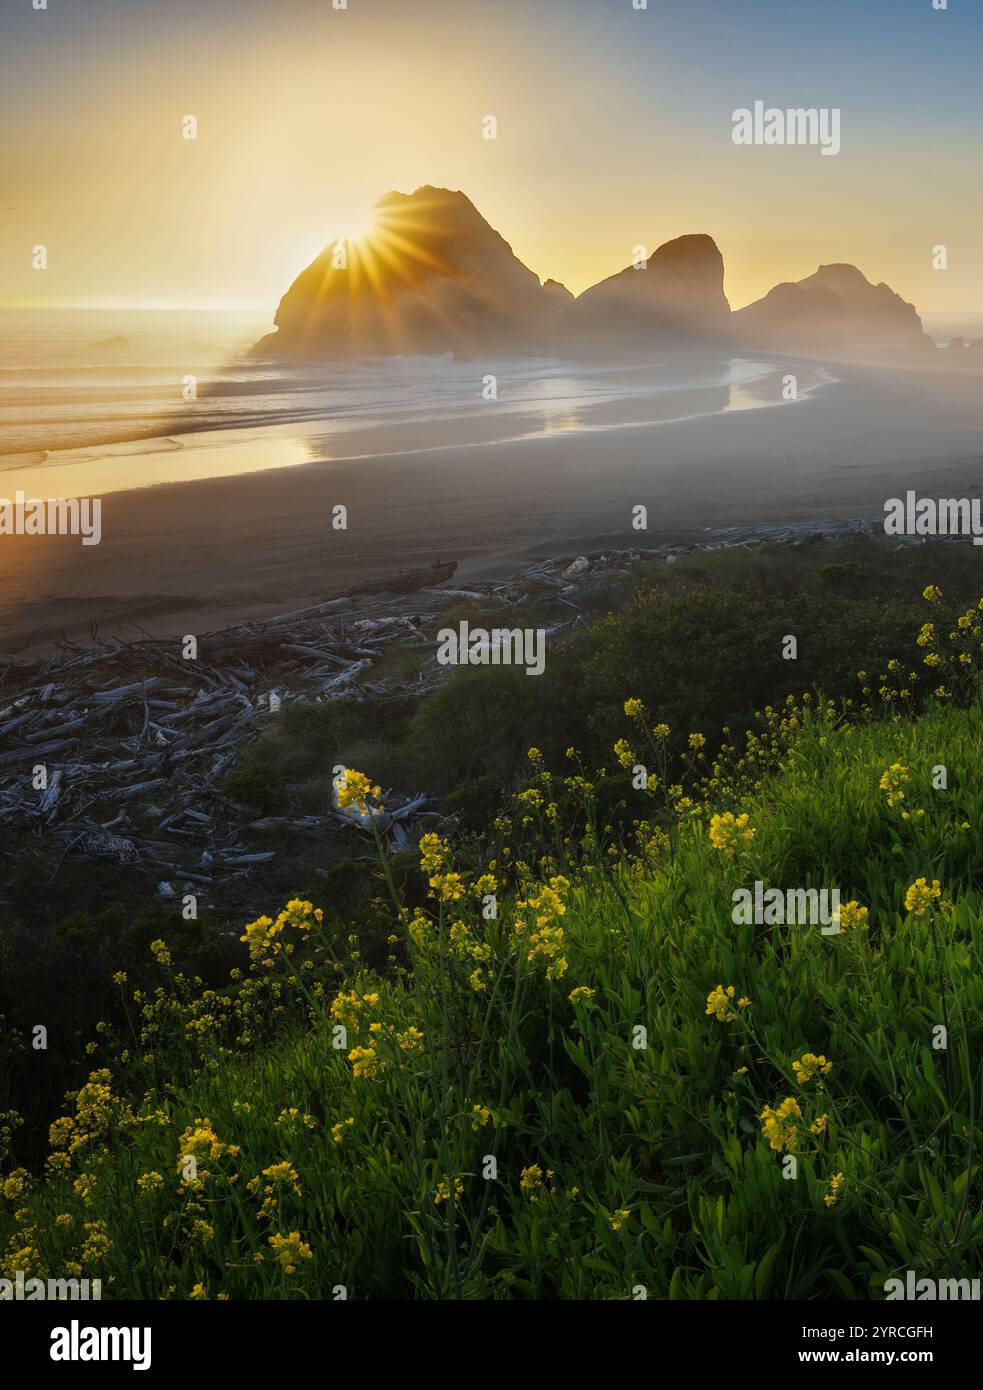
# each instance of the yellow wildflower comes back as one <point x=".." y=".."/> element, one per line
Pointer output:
<point x="810" y="1067"/>
<point x="443" y="1193"/>
<point x="289" y="1250"/>
<point x="835" y="1183"/>
<point x="730" y="833"/>
<point x="355" y="789"/>
<point x="778" y="1126"/>
<point x="920" y="896"/>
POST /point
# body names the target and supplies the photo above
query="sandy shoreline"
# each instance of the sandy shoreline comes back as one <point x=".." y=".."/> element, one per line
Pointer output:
<point x="192" y="556"/>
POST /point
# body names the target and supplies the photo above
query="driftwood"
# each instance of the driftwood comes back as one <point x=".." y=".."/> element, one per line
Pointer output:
<point x="97" y="742"/>
<point x="405" y="582"/>
<point x="119" y="749"/>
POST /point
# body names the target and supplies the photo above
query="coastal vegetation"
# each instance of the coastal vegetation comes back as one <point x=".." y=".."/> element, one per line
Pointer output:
<point x="532" y="1055"/>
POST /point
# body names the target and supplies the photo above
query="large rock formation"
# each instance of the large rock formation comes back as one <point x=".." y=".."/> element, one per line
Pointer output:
<point x="431" y="277"/>
<point x="674" y="298"/>
<point x="837" y="307"/>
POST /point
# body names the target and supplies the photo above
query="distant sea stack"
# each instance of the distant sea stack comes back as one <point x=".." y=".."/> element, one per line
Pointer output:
<point x="837" y="307"/>
<point x="674" y="298"/>
<point x="432" y="277"/>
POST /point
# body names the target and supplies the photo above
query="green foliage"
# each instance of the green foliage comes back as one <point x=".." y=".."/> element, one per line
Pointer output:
<point x="257" y="782"/>
<point x="564" y="1070"/>
<point x="625" y="1158"/>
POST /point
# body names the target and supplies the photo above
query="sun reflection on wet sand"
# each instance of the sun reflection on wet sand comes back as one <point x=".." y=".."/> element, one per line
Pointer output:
<point x="112" y="468"/>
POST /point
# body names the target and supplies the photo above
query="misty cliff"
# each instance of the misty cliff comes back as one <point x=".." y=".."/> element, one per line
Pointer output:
<point x="836" y="307"/>
<point x="673" y="299"/>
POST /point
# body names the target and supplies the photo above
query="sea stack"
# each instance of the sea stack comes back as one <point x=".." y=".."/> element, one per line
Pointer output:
<point x="672" y="299"/>
<point x="431" y="277"/>
<point x="834" y="308"/>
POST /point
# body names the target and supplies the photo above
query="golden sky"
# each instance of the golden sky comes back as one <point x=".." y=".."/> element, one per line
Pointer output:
<point x="614" y="129"/>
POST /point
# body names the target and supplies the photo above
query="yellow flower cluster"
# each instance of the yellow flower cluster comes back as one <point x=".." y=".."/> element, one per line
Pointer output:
<point x="349" y="1009"/>
<point x="95" y="1107"/>
<point x="411" y="1040"/>
<point x="433" y="853"/>
<point x="548" y="939"/>
<point x="731" y="833"/>
<point x="623" y="752"/>
<point x="894" y="781"/>
<point x="355" y="789"/>
<point x="15" y="1184"/>
<point x="779" y="1127"/>
<point x="811" y="1067"/>
<point x="290" y="1250"/>
<point x="835" y="1184"/>
<point x="263" y="935"/>
<point x="292" y="1116"/>
<point x="720" y="1003"/>
<point x="852" y="916"/>
<point x="921" y="896"/>
<point x="448" y="887"/>
<point x="199" y="1141"/>
<point x="443" y="1193"/>
<point x="96" y="1245"/>
<point x="465" y="947"/>
<point x="531" y="1181"/>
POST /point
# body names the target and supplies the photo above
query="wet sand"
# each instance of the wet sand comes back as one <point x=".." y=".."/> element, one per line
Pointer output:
<point x="190" y="556"/>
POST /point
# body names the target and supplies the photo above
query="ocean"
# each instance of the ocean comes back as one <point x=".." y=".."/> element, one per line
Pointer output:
<point x="945" y="327"/>
<point x="100" y="400"/>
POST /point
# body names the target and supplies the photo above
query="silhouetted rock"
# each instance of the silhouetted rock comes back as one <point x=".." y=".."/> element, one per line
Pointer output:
<point x="836" y="307"/>
<point x="790" y="315"/>
<point x="431" y="277"/>
<point x="560" y="292"/>
<point x="675" y="300"/>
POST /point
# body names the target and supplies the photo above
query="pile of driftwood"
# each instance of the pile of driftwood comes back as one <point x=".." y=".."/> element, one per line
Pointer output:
<point x="119" y="749"/>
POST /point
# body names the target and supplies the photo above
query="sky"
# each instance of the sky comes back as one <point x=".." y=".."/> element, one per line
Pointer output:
<point x="614" y="130"/>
